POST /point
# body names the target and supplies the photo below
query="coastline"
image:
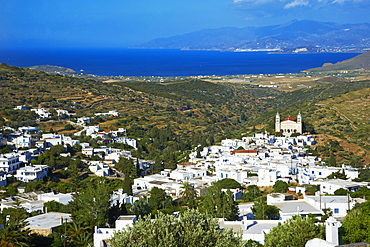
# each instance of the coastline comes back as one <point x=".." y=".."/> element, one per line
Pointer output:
<point x="169" y="63"/>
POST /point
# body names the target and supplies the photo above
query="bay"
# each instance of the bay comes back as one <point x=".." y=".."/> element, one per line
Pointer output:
<point x="145" y="62"/>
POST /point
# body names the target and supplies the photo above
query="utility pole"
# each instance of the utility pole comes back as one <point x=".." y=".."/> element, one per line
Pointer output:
<point x="65" y="231"/>
<point x="348" y="201"/>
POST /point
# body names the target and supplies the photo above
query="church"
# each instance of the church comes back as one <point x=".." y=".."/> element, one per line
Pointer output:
<point x="289" y="125"/>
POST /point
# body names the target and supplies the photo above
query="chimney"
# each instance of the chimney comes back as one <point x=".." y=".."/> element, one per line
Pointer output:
<point x="247" y="223"/>
<point x="331" y="229"/>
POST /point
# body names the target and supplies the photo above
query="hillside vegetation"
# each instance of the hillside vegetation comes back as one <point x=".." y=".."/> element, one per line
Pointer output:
<point x="338" y="116"/>
<point x="174" y="116"/>
<point x="360" y="62"/>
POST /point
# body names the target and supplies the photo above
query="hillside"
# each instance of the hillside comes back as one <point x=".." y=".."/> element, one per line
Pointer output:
<point x="187" y="105"/>
<point x="338" y="117"/>
<point x="360" y="62"/>
<point x="191" y="111"/>
<point x="345" y="118"/>
<point x="312" y="35"/>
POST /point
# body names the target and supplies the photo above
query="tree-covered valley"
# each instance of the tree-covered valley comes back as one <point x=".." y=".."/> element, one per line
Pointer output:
<point x="170" y="119"/>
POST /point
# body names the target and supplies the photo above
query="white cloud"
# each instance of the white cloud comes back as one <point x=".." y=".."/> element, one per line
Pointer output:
<point x="296" y="3"/>
<point x="343" y="1"/>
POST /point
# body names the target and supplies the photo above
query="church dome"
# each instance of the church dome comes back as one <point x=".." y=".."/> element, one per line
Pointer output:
<point x="289" y="119"/>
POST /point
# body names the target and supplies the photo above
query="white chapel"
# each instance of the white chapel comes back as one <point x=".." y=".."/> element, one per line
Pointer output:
<point x="289" y="125"/>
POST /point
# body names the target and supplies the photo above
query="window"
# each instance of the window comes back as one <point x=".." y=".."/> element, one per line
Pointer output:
<point x="313" y="172"/>
<point x="320" y="173"/>
<point x="336" y="210"/>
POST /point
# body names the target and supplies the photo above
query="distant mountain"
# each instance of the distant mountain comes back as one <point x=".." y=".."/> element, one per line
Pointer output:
<point x="294" y="36"/>
<point x="360" y="62"/>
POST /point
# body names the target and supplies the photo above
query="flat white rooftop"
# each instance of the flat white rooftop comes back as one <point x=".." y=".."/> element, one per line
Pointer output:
<point x="296" y="208"/>
<point x="48" y="220"/>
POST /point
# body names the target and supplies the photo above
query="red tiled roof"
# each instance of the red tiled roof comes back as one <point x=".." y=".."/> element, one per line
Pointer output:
<point x="185" y="164"/>
<point x="244" y="152"/>
<point x="289" y="118"/>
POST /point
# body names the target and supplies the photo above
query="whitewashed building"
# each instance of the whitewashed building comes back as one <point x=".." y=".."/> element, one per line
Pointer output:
<point x="101" y="235"/>
<point x="3" y="181"/>
<point x="54" y="196"/>
<point x="9" y="162"/>
<point x="331" y="185"/>
<point x="100" y="169"/>
<point x="32" y="173"/>
<point x="42" y="112"/>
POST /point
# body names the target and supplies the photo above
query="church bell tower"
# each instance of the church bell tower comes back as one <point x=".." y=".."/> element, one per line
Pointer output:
<point x="299" y="122"/>
<point x="277" y="122"/>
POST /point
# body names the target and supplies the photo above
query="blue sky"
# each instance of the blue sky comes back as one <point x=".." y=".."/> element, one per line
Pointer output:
<point x="121" y="23"/>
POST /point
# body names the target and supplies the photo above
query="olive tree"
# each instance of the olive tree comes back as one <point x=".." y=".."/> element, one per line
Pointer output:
<point x="294" y="232"/>
<point x="356" y="224"/>
<point x="191" y="229"/>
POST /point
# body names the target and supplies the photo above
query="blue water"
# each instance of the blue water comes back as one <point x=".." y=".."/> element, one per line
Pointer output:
<point x="132" y="62"/>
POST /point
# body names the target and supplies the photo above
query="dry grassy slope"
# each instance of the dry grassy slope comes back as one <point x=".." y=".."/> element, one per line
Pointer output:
<point x="158" y="106"/>
<point x="322" y="140"/>
<point x="360" y="62"/>
<point x="345" y="118"/>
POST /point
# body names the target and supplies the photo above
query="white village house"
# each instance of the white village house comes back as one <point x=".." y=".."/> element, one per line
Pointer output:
<point x="9" y="162"/>
<point x="32" y="173"/>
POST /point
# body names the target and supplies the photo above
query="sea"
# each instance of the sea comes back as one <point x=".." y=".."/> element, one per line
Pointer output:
<point x="167" y="63"/>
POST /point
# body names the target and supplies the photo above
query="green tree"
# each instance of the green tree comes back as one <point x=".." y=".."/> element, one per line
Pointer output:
<point x="364" y="175"/>
<point x="73" y="172"/>
<point x="327" y="213"/>
<point x="252" y="193"/>
<point x="188" y="195"/>
<point x="280" y="186"/>
<point x="356" y="224"/>
<point x="262" y="211"/>
<point x="11" y="191"/>
<point x="159" y="199"/>
<point x="34" y="186"/>
<point x="14" y="223"/>
<point x="191" y="229"/>
<point x="220" y="204"/>
<point x="37" y="240"/>
<point x="54" y="206"/>
<point x="68" y="127"/>
<point x="362" y="192"/>
<point x="355" y="161"/>
<point x="127" y="167"/>
<point x="252" y="243"/>
<point x="5" y="149"/>
<point x="228" y="183"/>
<point x="91" y="205"/>
<point x="127" y="185"/>
<point x="115" y="211"/>
<point x="338" y="175"/>
<point x="332" y="161"/>
<point x="340" y="192"/>
<point x="312" y="189"/>
<point x="140" y="208"/>
<point x="294" y="232"/>
<point x="79" y="234"/>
